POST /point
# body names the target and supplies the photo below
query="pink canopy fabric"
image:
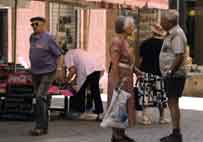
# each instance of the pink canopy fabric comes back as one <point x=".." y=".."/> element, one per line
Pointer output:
<point x="136" y="3"/>
<point x="161" y="4"/>
<point x="56" y="90"/>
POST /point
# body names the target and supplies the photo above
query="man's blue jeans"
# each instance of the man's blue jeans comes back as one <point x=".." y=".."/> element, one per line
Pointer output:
<point x="41" y="84"/>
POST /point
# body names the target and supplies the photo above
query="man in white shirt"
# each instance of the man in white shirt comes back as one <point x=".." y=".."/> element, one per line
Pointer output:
<point x="88" y="72"/>
<point x="172" y="66"/>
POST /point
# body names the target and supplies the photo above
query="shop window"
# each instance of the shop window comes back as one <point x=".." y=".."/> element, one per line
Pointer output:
<point x="64" y="21"/>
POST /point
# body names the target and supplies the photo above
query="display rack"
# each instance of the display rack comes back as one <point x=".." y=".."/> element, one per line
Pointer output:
<point x="16" y="95"/>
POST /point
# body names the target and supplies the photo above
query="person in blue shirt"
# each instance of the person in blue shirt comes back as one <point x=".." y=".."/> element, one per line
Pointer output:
<point x="45" y="57"/>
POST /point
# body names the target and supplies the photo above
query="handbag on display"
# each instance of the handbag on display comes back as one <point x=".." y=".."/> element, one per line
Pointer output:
<point x="20" y="78"/>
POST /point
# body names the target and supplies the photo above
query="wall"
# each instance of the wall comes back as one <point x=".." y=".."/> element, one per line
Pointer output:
<point x="36" y="8"/>
<point x="110" y="31"/>
<point x="67" y="25"/>
<point x="97" y="35"/>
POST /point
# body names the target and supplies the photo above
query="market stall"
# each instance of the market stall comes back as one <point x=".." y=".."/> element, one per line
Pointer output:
<point x="71" y="20"/>
<point x="16" y="93"/>
<point x="87" y="19"/>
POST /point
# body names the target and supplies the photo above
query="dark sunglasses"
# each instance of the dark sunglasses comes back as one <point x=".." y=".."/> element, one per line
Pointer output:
<point x="35" y="24"/>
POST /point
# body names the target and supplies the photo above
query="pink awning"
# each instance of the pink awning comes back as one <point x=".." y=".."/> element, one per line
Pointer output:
<point x="136" y="3"/>
<point x="161" y="4"/>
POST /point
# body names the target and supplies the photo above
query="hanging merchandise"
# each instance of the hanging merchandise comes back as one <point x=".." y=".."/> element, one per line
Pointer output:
<point x="147" y="17"/>
<point x="11" y="3"/>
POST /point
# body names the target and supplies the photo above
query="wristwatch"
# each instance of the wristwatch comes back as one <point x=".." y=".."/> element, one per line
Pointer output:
<point x="169" y="72"/>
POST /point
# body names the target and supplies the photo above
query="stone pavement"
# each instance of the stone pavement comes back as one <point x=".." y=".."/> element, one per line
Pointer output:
<point x="89" y="131"/>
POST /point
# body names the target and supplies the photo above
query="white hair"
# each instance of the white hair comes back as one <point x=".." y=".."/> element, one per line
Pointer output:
<point x="128" y="21"/>
<point x="171" y="15"/>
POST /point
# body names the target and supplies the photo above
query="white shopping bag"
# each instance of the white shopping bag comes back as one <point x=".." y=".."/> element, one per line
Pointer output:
<point x="116" y="115"/>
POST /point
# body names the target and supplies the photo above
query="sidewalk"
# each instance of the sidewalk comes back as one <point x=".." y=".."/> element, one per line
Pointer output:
<point x="89" y="131"/>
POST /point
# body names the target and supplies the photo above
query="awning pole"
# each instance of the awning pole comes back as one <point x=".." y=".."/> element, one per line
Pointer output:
<point x="178" y="9"/>
<point x="15" y="34"/>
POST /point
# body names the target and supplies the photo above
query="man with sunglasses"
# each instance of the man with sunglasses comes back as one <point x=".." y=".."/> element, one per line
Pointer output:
<point x="45" y="58"/>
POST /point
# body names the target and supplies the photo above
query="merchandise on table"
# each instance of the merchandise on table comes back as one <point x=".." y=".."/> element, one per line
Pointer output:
<point x="20" y="89"/>
<point x="3" y="88"/>
<point x="18" y="105"/>
<point x="20" y="78"/>
<point x="16" y="93"/>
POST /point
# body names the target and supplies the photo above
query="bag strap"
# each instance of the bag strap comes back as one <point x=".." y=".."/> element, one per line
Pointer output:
<point x="110" y="66"/>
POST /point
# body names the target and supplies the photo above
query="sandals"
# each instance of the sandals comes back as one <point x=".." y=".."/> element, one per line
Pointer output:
<point x="164" y="121"/>
<point x="38" y="132"/>
<point x="99" y="117"/>
<point x="145" y="121"/>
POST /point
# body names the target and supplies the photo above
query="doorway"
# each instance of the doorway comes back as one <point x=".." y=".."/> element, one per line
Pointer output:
<point x="191" y="16"/>
<point x="3" y="35"/>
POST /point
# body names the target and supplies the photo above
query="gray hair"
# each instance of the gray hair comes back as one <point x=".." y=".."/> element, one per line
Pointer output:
<point x="122" y="23"/>
<point x="171" y="16"/>
<point x="128" y="20"/>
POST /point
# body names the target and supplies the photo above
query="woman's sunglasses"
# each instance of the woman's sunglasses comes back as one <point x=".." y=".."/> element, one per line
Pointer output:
<point x="35" y="24"/>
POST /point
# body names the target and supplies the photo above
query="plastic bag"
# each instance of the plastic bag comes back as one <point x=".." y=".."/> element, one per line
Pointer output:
<point x="116" y="115"/>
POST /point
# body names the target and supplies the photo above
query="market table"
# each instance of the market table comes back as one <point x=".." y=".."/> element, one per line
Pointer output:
<point x="194" y="85"/>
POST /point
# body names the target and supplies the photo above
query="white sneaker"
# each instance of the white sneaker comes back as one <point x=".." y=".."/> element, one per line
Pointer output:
<point x="164" y="121"/>
<point x="145" y="121"/>
<point x="100" y="117"/>
<point x="88" y="116"/>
